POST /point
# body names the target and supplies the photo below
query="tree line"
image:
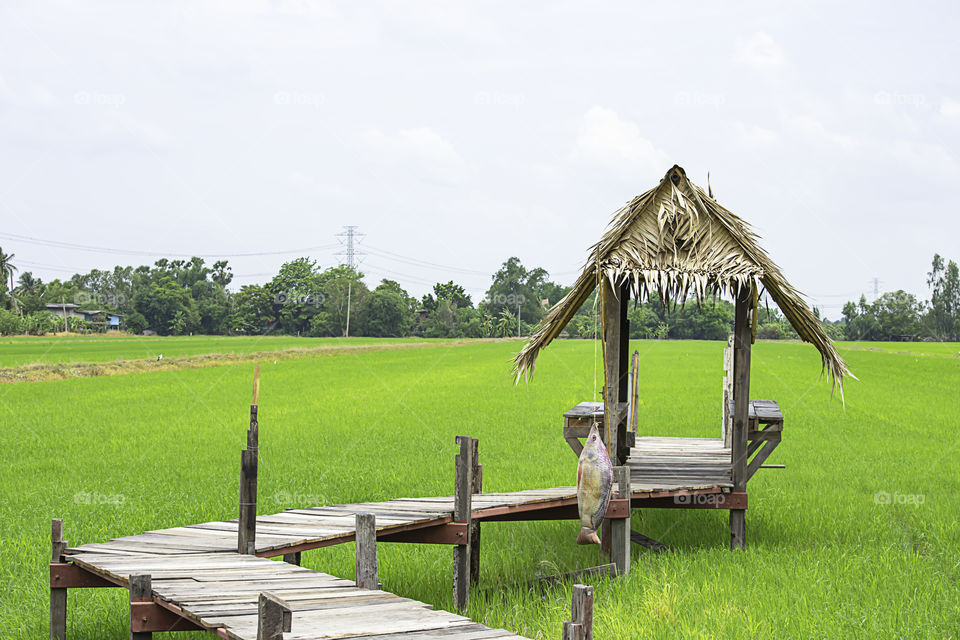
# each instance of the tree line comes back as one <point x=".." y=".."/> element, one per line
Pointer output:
<point x="177" y="297"/>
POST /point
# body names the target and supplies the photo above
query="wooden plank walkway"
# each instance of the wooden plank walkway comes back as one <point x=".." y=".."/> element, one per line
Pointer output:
<point x="219" y="591"/>
<point x="197" y="573"/>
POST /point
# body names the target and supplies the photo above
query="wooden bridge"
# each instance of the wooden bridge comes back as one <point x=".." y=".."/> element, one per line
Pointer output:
<point x="194" y="577"/>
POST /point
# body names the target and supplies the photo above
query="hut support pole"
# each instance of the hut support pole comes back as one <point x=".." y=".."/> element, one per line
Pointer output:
<point x="58" y="597"/>
<point x="742" y="337"/>
<point x="474" y="534"/>
<point x="462" y="509"/>
<point x="612" y="370"/>
<point x="623" y="367"/>
<point x="620" y="527"/>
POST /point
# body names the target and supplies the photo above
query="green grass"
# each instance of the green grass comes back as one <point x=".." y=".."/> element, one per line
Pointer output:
<point x="824" y="558"/>
<point x="21" y="350"/>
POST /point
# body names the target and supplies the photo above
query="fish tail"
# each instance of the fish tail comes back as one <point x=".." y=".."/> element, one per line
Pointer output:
<point x="587" y="536"/>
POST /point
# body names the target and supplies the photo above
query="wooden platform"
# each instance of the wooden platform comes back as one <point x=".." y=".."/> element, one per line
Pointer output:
<point x="687" y="463"/>
<point x="674" y="463"/>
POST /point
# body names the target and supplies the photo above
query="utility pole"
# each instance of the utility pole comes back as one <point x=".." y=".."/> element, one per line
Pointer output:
<point x="518" y="318"/>
<point x="350" y="238"/>
<point x="346" y="333"/>
<point x="876" y="289"/>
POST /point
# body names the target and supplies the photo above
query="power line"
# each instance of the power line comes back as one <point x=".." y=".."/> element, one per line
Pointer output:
<point x="57" y="244"/>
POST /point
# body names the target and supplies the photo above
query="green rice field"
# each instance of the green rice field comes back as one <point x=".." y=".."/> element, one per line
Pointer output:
<point x="857" y="538"/>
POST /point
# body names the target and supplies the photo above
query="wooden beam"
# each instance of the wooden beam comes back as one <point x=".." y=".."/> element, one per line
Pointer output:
<point x="646" y="541"/>
<point x="292" y="558"/>
<point x="366" y="564"/>
<point x="141" y="590"/>
<point x="58" y="595"/>
<point x="741" y="410"/>
<point x="620" y="527"/>
<point x="462" y="508"/>
<point x="273" y="617"/>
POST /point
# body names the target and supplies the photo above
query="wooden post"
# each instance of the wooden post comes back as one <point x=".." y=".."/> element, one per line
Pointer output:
<point x="462" y="509"/>
<point x="741" y="400"/>
<point x="247" y="526"/>
<point x="273" y="617"/>
<point x="611" y="361"/>
<point x="58" y="597"/>
<point x="141" y="590"/>
<point x="620" y="527"/>
<point x="366" y="564"/>
<point x="582" y="609"/>
<point x="474" y="534"/>
<point x="572" y="631"/>
<point x="292" y="558"/>
<point x="634" y="392"/>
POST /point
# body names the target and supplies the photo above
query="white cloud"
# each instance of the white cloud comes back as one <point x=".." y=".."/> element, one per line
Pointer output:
<point x="422" y="149"/>
<point x="610" y="141"/>
<point x="759" y="51"/>
<point x="950" y="108"/>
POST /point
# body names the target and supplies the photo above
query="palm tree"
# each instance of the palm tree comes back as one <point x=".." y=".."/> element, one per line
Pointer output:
<point x="28" y="284"/>
<point x="6" y="272"/>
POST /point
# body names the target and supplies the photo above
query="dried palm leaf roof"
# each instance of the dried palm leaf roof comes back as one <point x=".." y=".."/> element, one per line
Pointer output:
<point x="677" y="240"/>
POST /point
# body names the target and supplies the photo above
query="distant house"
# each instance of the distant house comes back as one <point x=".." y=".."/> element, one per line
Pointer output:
<point x="106" y="320"/>
<point x="65" y="310"/>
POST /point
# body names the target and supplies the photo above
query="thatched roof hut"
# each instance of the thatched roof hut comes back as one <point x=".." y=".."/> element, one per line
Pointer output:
<point x="677" y="240"/>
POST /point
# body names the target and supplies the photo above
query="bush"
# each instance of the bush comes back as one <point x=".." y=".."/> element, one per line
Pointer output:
<point x="10" y="323"/>
<point x="771" y="331"/>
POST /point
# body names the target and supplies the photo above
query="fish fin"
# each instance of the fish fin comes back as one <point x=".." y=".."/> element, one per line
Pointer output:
<point x="579" y="471"/>
<point x="587" y="536"/>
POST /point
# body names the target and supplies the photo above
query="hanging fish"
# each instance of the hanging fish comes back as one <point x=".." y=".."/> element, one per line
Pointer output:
<point x="594" y="487"/>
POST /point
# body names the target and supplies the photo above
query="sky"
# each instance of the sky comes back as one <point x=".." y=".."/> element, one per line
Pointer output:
<point x="456" y="135"/>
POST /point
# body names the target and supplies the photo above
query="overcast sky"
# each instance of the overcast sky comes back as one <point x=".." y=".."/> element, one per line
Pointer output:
<point x="460" y="134"/>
